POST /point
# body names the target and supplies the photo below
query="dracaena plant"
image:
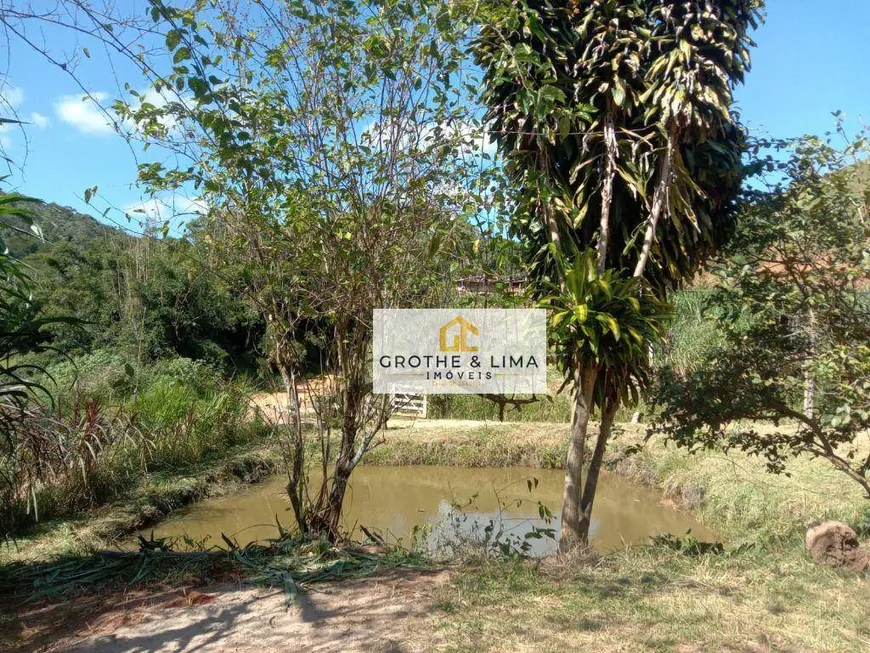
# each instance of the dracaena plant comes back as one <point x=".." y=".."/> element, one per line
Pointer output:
<point x="608" y="318"/>
<point x="616" y="124"/>
<point x="600" y="327"/>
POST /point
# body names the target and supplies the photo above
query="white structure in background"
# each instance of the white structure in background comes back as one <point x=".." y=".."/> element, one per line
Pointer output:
<point x="409" y="404"/>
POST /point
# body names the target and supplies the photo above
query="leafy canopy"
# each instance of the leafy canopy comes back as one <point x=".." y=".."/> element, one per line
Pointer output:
<point x="793" y="308"/>
<point x="588" y="99"/>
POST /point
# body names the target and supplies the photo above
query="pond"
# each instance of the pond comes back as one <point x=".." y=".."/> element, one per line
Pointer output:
<point x="397" y="501"/>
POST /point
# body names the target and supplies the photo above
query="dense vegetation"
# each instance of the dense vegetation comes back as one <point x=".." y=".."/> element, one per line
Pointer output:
<point x="142" y="297"/>
<point x="144" y="354"/>
<point x="138" y="359"/>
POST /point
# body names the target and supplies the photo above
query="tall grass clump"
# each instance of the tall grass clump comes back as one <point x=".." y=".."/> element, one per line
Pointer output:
<point x="102" y="437"/>
<point x="61" y="462"/>
<point x="693" y="335"/>
<point x="185" y="426"/>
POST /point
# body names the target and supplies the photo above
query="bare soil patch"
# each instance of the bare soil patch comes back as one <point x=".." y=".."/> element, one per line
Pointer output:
<point x="387" y="612"/>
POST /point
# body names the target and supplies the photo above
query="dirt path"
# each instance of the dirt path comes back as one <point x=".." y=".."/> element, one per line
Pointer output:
<point x="387" y="612"/>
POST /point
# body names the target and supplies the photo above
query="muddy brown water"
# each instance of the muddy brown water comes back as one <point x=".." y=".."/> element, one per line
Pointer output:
<point x="404" y="502"/>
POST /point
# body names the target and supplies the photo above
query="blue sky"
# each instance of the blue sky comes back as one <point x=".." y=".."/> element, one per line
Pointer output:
<point x="809" y="62"/>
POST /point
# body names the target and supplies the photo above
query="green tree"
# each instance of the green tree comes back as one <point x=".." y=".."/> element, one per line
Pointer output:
<point x="615" y="122"/>
<point x="794" y="315"/>
<point x="20" y="323"/>
<point x="145" y="297"/>
<point x="333" y="150"/>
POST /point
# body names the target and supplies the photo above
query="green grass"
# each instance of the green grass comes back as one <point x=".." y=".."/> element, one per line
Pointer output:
<point x="495" y="445"/>
<point x="291" y="561"/>
<point x="770" y="597"/>
<point x="738" y="498"/>
<point x="654" y="600"/>
<point x="88" y="451"/>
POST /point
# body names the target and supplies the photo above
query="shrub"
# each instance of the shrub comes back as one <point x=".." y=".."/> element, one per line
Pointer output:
<point x="101" y="375"/>
<point x="94" y="451"/>
<point x="199" y="376"/>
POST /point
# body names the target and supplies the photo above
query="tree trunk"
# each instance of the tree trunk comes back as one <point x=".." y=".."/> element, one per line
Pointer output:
<point x="328" y="522"/>
<point x="660" y="200"/>
<point x="809" y="379"/>
<point x="331" y="521"/>
<point x="592" y="474"/>
<point x="295" y="467"/>
<point x="570" y="536"/>
<point x="610" y="153"/>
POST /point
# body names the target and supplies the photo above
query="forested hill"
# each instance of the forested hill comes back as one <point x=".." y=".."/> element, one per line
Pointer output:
<point x="138" y="299"/>
<point x="59" y="224"/>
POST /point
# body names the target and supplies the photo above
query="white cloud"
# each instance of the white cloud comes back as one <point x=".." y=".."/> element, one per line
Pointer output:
<point x="84" y="114"/>
<point x="38" y="120"/>
<point x="165" y="208"/>
<point x="468" y="137"/>
<point x="12" y="96"/>
<point x="11" y="99"/>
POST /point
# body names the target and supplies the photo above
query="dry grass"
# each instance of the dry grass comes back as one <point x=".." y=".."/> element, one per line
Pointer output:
<point x="649" y="600"/>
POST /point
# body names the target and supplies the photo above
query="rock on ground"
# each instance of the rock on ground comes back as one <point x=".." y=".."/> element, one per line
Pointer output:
<point x="835" y="544"/>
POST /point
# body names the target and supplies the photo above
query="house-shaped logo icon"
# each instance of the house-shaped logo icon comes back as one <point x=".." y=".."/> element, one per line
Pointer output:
<point x="456" y="333"/>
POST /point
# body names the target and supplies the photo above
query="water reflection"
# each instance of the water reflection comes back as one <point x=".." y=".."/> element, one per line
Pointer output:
<point x="395" y="500"/>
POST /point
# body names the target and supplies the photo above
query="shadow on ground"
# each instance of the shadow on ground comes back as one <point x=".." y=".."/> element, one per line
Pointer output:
<point x="380" y="613"/>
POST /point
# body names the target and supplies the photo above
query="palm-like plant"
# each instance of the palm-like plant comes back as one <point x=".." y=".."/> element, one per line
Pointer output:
<point x="610" y="52"/>
<point x="609" y="318"/>
<point x="19" y="323"/>
<point x="614" y="117"/>
<point x="600" y="325"/>
<point x="697" y="51"/>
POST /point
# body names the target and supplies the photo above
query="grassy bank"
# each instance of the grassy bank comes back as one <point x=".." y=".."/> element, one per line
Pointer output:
<point x="655" y="600"/>
<point x="764" y="597"/>
<point x="145" y="503"/>
<point x="111" y="428"/>
<point x="734" y="495"/>
<point x="466" y="443"/>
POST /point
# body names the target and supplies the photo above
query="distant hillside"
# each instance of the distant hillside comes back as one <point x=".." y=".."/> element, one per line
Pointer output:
<point x="59" y="224"/>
